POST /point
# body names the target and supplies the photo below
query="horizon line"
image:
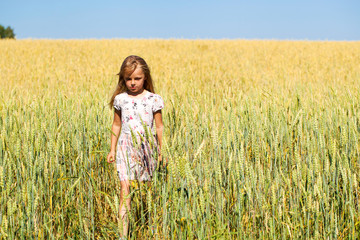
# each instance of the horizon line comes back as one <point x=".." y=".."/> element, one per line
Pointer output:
<point x="192" y="39"/>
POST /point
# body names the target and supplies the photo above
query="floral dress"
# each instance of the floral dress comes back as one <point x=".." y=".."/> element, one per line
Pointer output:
<point x="136" y="148"/>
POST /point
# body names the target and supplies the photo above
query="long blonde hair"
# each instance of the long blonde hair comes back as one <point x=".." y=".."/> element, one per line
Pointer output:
<point x="128" y="67"/>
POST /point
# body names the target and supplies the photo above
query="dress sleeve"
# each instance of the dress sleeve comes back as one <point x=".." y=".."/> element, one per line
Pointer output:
<point x="158" y="103"/>
<point x="116" y="103"/>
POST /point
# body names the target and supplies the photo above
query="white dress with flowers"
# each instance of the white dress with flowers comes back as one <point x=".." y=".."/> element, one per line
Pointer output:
<point x="137" y="149"/>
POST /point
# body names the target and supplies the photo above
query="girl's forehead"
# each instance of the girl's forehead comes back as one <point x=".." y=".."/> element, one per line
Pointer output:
<point x="133" y="72"/>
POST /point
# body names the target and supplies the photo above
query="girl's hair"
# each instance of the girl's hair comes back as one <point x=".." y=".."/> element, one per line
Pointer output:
<point x="127" y="68"/>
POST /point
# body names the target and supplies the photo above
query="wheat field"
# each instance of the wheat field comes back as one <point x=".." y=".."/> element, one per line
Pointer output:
<point x="262" y="140"/>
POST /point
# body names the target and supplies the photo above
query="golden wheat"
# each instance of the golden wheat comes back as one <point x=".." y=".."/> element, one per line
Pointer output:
<point x="261" y="138"/>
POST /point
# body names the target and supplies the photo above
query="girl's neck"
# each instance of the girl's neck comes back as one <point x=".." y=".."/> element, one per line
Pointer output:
<point x="137" y="94"/>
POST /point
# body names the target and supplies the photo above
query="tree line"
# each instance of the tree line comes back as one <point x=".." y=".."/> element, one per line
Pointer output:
<point x="7" y="32"/>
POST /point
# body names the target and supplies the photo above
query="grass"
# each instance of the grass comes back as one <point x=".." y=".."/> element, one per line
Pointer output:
<point x="262" y="139"/>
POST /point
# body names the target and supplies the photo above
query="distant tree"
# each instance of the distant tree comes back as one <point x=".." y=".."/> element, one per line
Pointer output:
<point x="6" y="32"/>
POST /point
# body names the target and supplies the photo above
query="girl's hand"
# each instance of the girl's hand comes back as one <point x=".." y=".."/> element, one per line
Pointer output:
<point x="162" y="162"/>
<point x="162" y="165"/>
<point x="110" y="157"/>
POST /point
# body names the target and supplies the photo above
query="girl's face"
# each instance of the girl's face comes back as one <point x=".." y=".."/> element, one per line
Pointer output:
<point x="135" y="82"/>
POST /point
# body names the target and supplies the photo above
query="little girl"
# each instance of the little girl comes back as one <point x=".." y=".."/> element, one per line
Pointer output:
<point x="136" y="105"/>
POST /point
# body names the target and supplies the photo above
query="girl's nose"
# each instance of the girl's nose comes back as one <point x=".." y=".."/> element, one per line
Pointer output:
<point x="133" y="82"/>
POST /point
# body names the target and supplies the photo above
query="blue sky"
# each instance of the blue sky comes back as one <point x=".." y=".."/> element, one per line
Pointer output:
<point x="295" y="20"/>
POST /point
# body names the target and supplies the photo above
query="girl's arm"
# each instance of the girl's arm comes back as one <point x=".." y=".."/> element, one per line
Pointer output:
<point x="159" y="126"/>
<point x="116" y="127"/>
